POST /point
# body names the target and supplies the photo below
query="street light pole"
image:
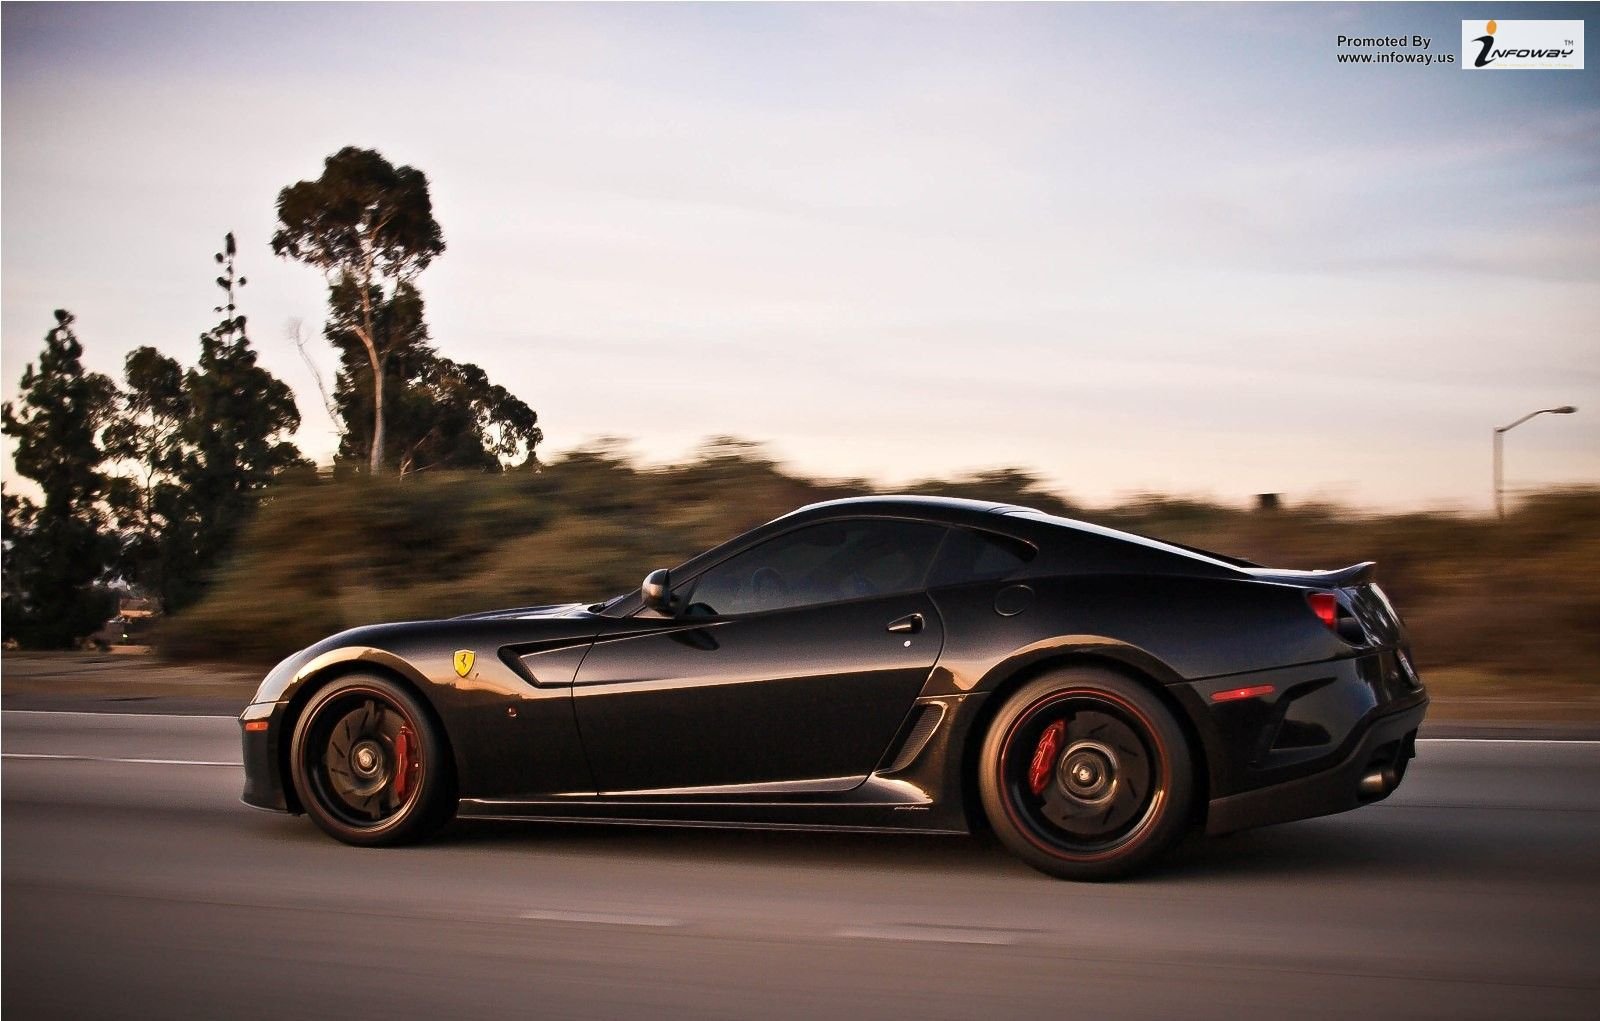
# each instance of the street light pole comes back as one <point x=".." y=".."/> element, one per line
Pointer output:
<point x="1499" y="485"/>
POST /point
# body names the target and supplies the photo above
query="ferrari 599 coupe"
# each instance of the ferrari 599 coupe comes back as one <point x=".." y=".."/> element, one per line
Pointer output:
<point x="885" y="663"/>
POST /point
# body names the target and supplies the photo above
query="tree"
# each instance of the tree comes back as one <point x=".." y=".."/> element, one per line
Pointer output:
<point x="369" y="227"/>
<point x="460" y="420"/>
<point x="151" y="505"/>
<point x="19" y="516"/>
<point x="203" y="444"/>
<point x="240" y="414"/>
<point x="59" y="551"/>
<point x="398" y="316"/>
<point x="508" y="427"/>
<point x="440" y="413"/>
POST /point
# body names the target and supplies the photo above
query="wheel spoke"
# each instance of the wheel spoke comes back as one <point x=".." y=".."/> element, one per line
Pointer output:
<point x="1086" y="725"/>
<point x="343" y="737"/>
<point x="1124" y="802"/>
<point x="1068" y="813"/>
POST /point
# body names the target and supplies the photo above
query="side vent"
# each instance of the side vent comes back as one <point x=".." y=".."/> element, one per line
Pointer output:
<point x="917" y="737"/>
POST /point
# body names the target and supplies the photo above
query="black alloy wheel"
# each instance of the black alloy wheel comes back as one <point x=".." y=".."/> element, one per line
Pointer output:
<point x="368" y="764"/>
<point x="1085" y="774"/>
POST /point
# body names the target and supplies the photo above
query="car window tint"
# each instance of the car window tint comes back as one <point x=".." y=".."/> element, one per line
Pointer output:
<point x="978" y="556"/>
<point x="823" y="563"/>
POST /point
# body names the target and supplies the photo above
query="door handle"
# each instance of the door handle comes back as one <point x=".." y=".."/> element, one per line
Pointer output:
<point x="910" y="624"/>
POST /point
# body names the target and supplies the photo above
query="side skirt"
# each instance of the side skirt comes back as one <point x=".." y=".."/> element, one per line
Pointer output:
<point x="704" y="824"/>
<point x="878" y="804"/>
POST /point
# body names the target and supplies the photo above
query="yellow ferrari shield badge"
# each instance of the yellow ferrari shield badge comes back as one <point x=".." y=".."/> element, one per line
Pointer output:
<point x="464" y="660"/>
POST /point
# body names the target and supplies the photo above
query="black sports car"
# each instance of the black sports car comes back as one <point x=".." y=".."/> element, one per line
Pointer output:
<point x="902" y="663"/>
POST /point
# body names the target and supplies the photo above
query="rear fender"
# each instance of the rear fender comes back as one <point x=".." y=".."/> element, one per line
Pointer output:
<point x="1058" y="647"/>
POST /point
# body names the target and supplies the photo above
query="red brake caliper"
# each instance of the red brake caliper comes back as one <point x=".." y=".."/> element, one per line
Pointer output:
<point x="402" y="762"/>
<point x="1044" y="756"/>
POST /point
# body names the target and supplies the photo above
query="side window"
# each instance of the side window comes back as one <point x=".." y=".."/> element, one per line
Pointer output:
<point x="978" y="556"/>
<point x="824" y="563"/>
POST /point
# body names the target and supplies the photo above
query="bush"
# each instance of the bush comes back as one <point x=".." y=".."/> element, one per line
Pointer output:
<point x="1518" y="599"/>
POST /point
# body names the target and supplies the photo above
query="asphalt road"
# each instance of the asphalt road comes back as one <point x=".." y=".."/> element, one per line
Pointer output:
<point x="136" y="885"/>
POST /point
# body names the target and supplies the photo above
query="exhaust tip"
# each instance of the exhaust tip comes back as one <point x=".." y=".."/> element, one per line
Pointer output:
<point x="1375" y="784"/>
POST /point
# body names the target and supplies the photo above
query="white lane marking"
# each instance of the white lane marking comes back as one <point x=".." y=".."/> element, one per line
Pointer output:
<point x="1503" y="740"/>
<point x="931" y="934"/>
<point x="114" y="714"/>
<point x="136" y="762"/>
<point x="601" y="918"/>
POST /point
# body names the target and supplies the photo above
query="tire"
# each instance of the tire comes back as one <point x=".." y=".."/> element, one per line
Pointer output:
<point x="1084" y="774"/>
<point x="368" y="764"/>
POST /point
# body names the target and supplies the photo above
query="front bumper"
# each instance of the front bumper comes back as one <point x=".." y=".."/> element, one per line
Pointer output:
<point x="263" y="779"/>
<point x="1388" y="744"/>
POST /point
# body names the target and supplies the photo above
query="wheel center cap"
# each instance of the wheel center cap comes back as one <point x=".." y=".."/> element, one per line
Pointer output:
<point x="1088" y="771"/>
<point x="366" y="758"/>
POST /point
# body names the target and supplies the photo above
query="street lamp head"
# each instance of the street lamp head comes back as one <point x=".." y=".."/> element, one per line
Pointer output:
<point x="1499" y="502"/>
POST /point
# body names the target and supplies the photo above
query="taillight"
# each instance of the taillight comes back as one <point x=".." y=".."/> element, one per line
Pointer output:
<point x="1326" y="606"/>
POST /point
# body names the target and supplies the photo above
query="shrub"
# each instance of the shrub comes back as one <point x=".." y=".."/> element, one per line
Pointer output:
<point x="1518" y="599"/>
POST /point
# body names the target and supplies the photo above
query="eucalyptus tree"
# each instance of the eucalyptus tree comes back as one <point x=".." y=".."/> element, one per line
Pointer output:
<point x="439" y="413"/>
<point x="368" y="226"/>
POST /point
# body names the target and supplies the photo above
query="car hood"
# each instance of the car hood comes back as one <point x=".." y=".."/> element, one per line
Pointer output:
<point x="547" y="610"/>
<point x="409" y="642"/>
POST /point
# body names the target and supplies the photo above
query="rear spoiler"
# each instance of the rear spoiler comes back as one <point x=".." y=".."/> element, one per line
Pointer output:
<point x="1355" y="574"/>
<point x="1344" y="577"/>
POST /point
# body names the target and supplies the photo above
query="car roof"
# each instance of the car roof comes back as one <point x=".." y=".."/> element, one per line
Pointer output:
<point x="942" y="507"/>
<point x="998" y="516"/>
<point x="1012" y="519"/>
<point x="939" y="509"/>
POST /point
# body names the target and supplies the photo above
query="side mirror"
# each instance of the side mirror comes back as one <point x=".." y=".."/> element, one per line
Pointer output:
<point x="657" y="591"/>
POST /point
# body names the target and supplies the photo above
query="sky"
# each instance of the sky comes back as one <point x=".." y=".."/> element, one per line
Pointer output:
<point x="1172" y="249"/>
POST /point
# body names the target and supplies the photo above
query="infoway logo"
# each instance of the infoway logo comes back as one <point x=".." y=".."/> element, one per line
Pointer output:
<point x="1522" y="45"/>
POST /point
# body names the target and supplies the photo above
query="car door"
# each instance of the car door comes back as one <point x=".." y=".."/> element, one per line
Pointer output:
<point x="791" y="664"/>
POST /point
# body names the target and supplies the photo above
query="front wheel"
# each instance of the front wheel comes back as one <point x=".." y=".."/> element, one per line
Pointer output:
<point x="368" y="764"/>
<point x="1084" y="774"/>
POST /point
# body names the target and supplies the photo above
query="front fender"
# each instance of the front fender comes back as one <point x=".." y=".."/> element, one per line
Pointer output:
<point x="288" y="678"/>
<point x="507" y="718"/>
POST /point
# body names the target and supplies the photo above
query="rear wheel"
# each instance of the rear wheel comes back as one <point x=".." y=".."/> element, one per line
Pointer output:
<point x="368" y="763"/>
<point x="1085" y="774"/>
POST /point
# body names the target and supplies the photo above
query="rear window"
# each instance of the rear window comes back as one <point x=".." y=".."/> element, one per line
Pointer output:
<point x="1084" y="528"/>
<point x="969" y="555"/>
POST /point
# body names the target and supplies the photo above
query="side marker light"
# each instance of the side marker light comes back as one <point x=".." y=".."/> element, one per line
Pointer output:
<point x="1240" y="694"/>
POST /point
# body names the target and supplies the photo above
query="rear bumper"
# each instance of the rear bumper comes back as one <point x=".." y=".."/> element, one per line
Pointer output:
<point x="1387" y="744"/>
<point x="263" y="780"/>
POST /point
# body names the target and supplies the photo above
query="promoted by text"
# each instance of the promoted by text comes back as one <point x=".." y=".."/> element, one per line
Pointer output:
<point x="1392" y="49"/>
